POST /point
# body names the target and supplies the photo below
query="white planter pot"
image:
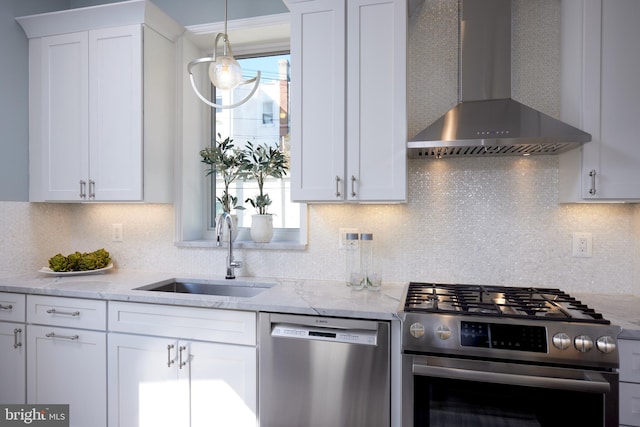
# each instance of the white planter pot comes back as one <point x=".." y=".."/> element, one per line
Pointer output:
<point x="261" y="228"/>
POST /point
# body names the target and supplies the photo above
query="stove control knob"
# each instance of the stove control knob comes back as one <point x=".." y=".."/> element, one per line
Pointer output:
<point x="583" y="343"/>
<point x="606" y="344"/>
<point x="416" y="330"/>
<point x="443" y="332"/>
<point x="561" y="341"/>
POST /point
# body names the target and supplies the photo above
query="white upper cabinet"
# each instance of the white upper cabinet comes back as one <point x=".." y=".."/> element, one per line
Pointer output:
<point x="102" y="103"/>
<point x="601" y="94"/>
<point x="348" y="136"/>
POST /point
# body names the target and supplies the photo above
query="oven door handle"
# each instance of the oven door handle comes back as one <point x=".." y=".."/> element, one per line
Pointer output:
<point x="593" y="382"/>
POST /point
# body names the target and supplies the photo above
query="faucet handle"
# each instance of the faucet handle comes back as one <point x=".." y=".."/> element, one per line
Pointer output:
<point x="236" y="264"/>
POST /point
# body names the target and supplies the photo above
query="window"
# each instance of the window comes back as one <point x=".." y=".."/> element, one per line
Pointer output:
<point x="267" y="113"/>
<point x="263" y="119"/>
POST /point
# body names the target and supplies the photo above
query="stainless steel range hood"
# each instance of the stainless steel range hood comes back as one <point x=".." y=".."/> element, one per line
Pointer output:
<point x="486" y="121"/>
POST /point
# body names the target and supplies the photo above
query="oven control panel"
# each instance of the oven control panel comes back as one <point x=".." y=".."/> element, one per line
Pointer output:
<point x="572" y="343"/>
<point x="502" y="336"/>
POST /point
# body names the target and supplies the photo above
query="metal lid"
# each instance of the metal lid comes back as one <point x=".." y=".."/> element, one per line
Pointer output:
<point x="366" y="236"/>
<point x="352" y="236"/>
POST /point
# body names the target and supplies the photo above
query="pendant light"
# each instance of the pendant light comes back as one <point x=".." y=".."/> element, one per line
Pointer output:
<point x="224" y="71"/>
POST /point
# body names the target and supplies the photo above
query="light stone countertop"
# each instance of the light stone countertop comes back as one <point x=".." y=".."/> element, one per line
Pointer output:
<point x="621" y="310"/>
<point x="311" y="297"/>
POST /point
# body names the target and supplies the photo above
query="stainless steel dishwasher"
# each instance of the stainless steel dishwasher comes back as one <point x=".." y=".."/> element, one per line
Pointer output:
<point x="323" y="371"/>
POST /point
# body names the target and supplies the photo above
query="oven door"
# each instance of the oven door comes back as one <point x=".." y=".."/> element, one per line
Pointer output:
<point x="444" y="391"/>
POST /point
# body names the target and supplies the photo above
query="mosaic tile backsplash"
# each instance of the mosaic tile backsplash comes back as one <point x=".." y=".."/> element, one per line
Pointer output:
<point x="487" y="221"/>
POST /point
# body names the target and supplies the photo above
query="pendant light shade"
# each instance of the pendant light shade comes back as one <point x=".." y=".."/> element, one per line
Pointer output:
<point x="224" y="71"/>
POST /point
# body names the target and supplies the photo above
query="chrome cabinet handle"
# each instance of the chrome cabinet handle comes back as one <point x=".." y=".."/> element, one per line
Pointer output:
<point x="353" y="186"/>
<point x="92" y="189"/>
<point x="83" y="185"/>
<point x="170" y="361"/>
<point x="16" y="343"/>
<point x="6" y="307"/>
<point x="592" y="190"/>
<point x="337" y="186"/>
<point x="66" y="313"/>
<point x="64" y="337"/>
<point x="181" y="362"/>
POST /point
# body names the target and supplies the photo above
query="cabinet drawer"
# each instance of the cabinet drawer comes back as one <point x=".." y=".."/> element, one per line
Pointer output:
<point x="67" y="312"/>
<point x="12" y="307"/>
<point x="630" y="404"/>
<point x="228" y="326"/>
<point x="629" y="360"/>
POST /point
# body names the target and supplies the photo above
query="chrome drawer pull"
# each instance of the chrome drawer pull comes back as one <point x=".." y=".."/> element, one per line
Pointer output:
<point x="64" y="337"/>
<point x="353" y="186"/>
<point x="92" y="189"/>
<point x="6" y="307"/>
<point x="592" y="190"/>
<point x="66" y="313"/>
<point x="181" y="364"/>
<point x="16" y="343"/>
<point x="83" y="193"/>
<point x="169" y="360"/>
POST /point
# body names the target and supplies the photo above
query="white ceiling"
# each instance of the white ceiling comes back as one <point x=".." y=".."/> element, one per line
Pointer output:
<point x="260" y="34"/>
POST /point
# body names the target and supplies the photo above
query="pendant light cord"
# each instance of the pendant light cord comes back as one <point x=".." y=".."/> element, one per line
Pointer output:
<point x="226" y="36"/>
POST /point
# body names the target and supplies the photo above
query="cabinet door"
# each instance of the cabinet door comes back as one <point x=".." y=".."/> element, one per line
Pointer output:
<point x="13" y="367"/>
<point x="68" y="366"/>
<point x="317" y="100"/>
<point x="223" y="384"/>
<point x="620" y="100"/>
<point x="376" y="100"/>
<point x="144" y="390"/>
<point x="60" y="119"/>
<point x="601" y="94"/>
<point x="115" y="113"/>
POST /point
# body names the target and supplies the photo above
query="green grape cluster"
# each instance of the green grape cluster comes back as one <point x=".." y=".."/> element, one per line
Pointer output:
<point x="79" y="261"/>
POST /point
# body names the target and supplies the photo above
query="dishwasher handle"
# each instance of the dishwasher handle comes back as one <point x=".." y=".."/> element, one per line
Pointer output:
<point x="305" y="332"/>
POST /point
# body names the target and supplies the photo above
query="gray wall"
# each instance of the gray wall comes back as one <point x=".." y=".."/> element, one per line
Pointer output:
<point x="193" y="12"/>
<point x="14" y="91"/>
<point x="14" y="84"/>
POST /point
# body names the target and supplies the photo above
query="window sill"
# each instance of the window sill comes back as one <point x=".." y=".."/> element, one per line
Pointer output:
<point x="244" y="244"/>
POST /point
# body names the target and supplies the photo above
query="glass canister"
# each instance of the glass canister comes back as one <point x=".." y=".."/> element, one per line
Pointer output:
<point x="373" y="280"/>
<point x="354" y="275"/>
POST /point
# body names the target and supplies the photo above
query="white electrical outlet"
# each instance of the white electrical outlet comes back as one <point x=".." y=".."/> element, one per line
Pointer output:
<point x="342" y="238"/>
<point x="117" y="233"/>
<point x="582" y="245"/>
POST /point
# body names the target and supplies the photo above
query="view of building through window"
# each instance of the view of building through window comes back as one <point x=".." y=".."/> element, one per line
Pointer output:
<point x="263" y="119"/>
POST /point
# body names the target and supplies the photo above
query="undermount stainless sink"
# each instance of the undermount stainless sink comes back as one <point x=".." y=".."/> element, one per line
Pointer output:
<point x="228" y="288"/>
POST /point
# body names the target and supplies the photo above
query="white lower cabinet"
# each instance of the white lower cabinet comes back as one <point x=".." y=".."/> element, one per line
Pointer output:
<point x="12" y="349"/>
<point x="629" y="382"/>
<point x="67" y="365"/>
<point x="174" y="373"/>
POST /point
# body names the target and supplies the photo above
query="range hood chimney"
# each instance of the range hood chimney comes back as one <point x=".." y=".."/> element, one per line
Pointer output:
<point x="486" y="121"/>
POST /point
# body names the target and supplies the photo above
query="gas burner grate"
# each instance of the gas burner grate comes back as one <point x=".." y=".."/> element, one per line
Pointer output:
<point x="533" y="303"/>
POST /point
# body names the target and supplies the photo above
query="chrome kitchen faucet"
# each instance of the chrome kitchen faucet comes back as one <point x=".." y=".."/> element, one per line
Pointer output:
<point x="231" y="263"/>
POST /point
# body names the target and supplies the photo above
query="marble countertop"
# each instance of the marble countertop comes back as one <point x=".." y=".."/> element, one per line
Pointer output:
<point x="312" y="297"/>
<point x="621" y="310"/>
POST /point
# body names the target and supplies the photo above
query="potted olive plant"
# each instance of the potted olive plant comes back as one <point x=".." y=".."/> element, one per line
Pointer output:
<point x="265" y="161"/>
<point x="230" y="163"/>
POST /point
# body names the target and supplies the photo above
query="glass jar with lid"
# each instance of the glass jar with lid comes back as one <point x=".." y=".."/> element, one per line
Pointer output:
<point x="354" y="276"/>
<point x="372" y="279"/>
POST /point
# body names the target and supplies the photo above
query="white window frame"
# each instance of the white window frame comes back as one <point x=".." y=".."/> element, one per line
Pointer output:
<point x="255" y="36"/>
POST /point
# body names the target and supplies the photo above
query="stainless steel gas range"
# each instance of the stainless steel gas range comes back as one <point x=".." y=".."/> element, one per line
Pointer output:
<point x="506" y="356"/>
